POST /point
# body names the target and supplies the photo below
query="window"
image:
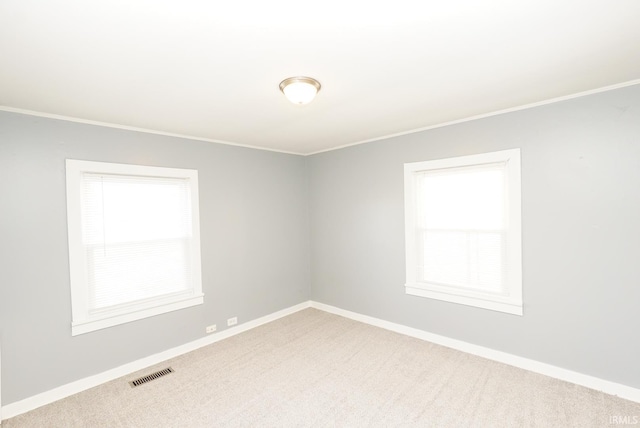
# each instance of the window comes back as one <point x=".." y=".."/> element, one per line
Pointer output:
<point x="134" y="242"/>
<point x="463" y="239"/>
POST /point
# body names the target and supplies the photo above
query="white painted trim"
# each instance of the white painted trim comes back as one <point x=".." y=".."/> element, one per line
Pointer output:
<point x="484" y="115"/>
<point x="135" y="129"/>
<point x="47" y="397"/>
<point x="608" y="387"/>
<point x="481" y="301"/>
<point x="83" y="320"/>
<point x="87" y="326"/>
<point x="0" y="380"/>
<point x="506" y="161"/>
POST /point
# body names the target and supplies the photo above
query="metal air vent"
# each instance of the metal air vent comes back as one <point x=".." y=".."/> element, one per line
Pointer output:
<point x="150" y="377"/>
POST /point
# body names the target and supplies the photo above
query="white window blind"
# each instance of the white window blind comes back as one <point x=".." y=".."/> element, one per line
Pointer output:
<point x="136" y="234"/>
<point x="133" y="242"/>
<point x="463" y="230"/>
<point x="461" y="215"/>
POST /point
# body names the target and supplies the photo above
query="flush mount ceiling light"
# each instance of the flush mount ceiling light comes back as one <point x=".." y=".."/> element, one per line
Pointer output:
<point x="300" y="90"/>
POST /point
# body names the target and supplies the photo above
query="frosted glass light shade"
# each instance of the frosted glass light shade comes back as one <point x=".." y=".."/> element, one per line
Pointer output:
<point x="300" y="90"/>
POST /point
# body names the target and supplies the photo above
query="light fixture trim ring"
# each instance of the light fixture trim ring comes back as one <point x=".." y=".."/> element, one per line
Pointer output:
<point x="300" y="79"/>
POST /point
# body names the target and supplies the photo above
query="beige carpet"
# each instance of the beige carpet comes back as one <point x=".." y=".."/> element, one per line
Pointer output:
<point x="317" y="369"/>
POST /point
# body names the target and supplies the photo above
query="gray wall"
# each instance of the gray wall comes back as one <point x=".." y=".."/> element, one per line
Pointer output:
<point x="265" y="215"/>
<point x="581" y="233"/>
<point x="254" y="241"/>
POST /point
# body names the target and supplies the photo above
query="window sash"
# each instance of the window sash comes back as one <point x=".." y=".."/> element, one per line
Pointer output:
<point x="444" y="252"/>
<point x="464" y="259"/>
<point x="149" y="263"/>
<point x="126" y="273"/>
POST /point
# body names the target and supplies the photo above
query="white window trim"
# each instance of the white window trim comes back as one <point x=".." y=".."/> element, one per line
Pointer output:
<point x="512" y="302"/>
<point x="82" y="321"/>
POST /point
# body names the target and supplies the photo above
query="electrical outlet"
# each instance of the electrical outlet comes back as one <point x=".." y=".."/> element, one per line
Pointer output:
<point x="232" y="321"/>
<point x="211" y="328"/>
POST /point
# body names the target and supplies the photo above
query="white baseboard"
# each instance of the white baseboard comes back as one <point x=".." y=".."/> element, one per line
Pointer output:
<point x="0" y="381"/>
<point x="22" y="406"/>
<point x="608" y="387"/>
<point x="47" y="397"/>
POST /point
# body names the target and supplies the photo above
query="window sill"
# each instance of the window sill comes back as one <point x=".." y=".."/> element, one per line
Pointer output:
<point x="87" y="326"/>
<point x="489" y="302"/>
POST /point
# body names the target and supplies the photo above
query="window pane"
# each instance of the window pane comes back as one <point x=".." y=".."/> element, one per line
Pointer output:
<point x="125" y="273"/>
<point x="462" y="230"/>
<point x="461" y="213"/>
<point x="462" y="198"/>
<point x="122" y="208"/>
<point x="471" y="259"/>
<point x="137" y="236"/>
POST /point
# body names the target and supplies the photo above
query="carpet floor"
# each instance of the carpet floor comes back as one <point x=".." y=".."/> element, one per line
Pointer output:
<point x="315" y="369"/>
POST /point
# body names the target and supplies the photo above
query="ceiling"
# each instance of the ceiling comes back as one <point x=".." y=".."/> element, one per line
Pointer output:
<point x="210" y="69"/>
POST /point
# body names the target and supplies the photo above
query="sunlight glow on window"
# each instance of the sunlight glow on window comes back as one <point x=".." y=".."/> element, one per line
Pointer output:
<point x="136" y="233"/>
<point x="461" y="221"/>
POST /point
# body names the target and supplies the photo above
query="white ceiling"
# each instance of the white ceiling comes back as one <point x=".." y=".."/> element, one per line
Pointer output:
<point x="210" y="69"/>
